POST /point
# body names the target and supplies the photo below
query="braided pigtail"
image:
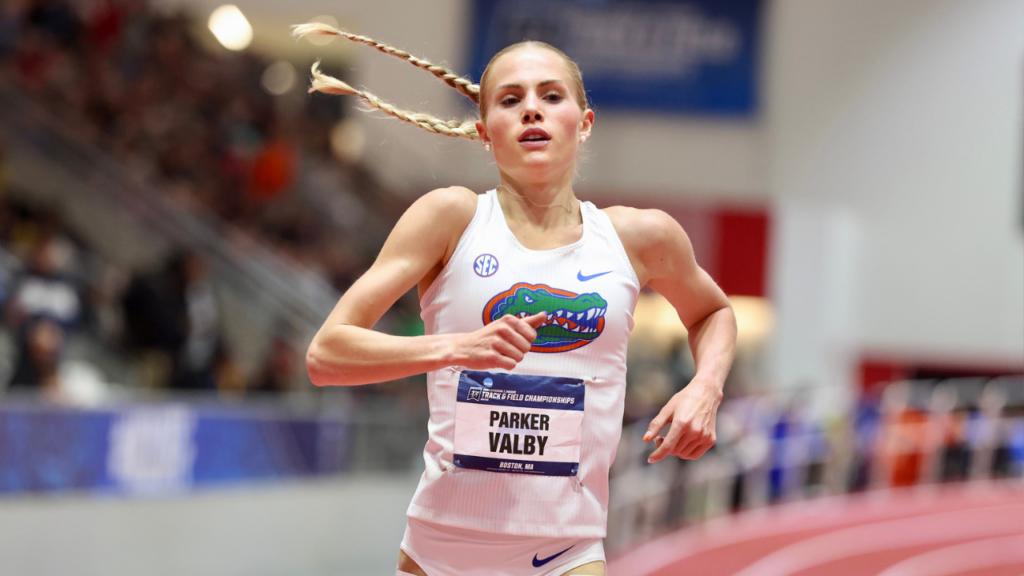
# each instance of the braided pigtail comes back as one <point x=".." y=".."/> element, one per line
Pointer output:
<point x="330" y="85"/>
<point x="464" y="86"/>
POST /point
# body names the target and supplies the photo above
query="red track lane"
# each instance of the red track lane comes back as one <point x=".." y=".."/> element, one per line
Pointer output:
<point x="1004" y="571"/>
<point x="954" y="530"/>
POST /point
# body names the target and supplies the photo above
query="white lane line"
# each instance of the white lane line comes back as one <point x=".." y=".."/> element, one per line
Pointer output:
<point x="889" y="535"/>
<point x="962" y="557"/>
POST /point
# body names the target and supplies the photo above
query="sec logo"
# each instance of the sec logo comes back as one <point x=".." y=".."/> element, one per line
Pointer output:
<point x="485" y="265"/>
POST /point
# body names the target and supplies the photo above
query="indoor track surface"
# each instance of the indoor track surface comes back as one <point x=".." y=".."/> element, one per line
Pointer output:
<point x="952" y="530"/>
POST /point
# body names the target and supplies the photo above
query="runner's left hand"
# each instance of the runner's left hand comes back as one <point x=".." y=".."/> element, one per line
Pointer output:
<point x="692" y="413"/>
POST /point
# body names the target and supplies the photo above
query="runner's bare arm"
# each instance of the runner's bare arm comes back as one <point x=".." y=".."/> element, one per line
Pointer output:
<point x="663" y="258"/>
<point x="347" y="352"/>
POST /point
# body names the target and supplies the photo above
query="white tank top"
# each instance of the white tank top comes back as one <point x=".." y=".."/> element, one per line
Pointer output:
<point x="589" y="289"/>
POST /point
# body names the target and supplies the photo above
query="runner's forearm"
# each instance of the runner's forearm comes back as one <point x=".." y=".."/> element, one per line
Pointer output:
<point x="350" y="356"/>
<point x="713" y="343"/>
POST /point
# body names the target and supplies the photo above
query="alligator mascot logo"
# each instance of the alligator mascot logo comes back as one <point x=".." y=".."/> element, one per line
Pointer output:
<point x="574" y="320"/>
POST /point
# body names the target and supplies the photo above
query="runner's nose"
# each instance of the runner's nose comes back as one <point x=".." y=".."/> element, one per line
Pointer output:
<point x="532" y="113"/>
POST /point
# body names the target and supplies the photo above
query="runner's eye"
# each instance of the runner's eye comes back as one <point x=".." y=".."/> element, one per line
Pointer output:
<point x="553" y="97"/>
<point x="509" y="100"/>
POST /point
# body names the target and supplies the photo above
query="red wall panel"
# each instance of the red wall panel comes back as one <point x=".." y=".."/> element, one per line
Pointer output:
<point x="742" y="248"/>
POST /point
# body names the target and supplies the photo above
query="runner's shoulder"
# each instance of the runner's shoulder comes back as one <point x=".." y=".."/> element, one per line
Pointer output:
<point x="455" y="204"/>
<point x="640" y="229"/>
<point x="438" y="218"/>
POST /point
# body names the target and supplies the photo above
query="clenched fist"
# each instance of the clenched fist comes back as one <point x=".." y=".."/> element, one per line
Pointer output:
<point x="501" y="344"/>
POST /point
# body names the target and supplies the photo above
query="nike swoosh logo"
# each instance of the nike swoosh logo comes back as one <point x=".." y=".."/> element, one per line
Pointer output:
<point x="539" y="563"/>
<point x="582" y="278"/>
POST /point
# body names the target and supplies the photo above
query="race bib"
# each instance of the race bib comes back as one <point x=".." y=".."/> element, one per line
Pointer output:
<point x="519" y="423"/>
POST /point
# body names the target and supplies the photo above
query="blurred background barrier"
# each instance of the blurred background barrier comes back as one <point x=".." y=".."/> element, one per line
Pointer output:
<point x="179" y="443"/>
<point x="178" y="217"/>
<point x="163" y="448"/>
<point x="773" y="450"/>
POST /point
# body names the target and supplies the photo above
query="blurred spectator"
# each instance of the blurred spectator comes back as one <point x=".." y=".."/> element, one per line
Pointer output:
<point x="173" y="324"/>
<point x="866" y="420"/>
<point x="41" y="294"/>
<point x="1013" y="462"/>
<point x="278" y="371"/>
<point x="151" y="331"/>
<point x="3" y="169"/>
<point x="902" y="446"/>
<point x="41" y="286"/>
<point x="196" y="307"/>
<point x="955" y="455"/>
<point x="46" y="289"/>
<point x="38" y="356"/>
<point x="105" y="24"/>
<point x="274" y="167"/>
<point x="56" y="18"/>
<point x="11" y="16"/>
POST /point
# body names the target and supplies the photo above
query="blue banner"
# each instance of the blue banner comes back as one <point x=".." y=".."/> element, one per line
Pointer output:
<point x="161" y="448"/>
<point x="50" y="450"/>
<point x="686" y="56"/>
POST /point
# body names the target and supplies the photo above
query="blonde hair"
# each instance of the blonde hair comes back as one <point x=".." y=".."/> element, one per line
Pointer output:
<point x="464" y="129"/>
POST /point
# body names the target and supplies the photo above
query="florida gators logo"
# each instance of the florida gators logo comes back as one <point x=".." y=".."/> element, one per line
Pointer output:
<point x="574" y="320"/>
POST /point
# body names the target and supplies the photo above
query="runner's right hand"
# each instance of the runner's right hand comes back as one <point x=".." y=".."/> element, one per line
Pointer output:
<point x="501" y="344"/>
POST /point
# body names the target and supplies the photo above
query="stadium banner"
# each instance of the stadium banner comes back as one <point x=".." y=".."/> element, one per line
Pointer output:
<point x="686" y="56"/>
<point x="161" y="448"/>
<point x="47" y="450"/>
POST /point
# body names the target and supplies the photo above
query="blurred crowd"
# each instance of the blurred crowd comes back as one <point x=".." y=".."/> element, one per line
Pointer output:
<point x="54" y="288"/>
<point x="198" y="126"/>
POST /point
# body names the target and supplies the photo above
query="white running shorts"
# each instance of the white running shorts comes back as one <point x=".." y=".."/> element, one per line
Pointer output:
<point x="447" y="551"/>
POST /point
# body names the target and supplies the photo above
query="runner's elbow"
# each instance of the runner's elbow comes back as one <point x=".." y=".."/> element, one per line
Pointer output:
<point x="313" y="366"/>
<point x="322" y="371"/>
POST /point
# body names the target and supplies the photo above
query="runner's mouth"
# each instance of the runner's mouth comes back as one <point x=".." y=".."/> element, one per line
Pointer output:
<point x="534" y="135"/>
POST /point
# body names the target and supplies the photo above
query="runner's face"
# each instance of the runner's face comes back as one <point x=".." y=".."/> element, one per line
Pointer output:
<point x="533" y="121"/>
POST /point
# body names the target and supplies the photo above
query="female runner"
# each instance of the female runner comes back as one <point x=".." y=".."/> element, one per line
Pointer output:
<point x="527" y="297"/>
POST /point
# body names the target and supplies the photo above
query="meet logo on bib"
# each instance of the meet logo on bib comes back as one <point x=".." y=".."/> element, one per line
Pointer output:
<point x="574" y="320"/>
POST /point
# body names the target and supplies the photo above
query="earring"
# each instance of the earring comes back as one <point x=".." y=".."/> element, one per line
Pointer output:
<point x="487" y="147"/>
